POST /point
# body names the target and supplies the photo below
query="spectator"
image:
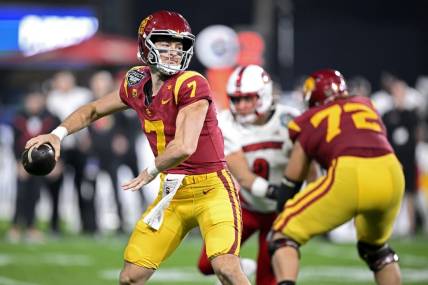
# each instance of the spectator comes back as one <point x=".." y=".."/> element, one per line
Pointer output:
<point x="113" y="138"/>
<point x="33" y="120"/>
<point x="359" y="86"/>
<point x="63" y="99"/>
<point x="403" y="128"/>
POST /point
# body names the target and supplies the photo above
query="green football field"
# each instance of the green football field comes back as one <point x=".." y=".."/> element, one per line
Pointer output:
<point x="83" y="260"/>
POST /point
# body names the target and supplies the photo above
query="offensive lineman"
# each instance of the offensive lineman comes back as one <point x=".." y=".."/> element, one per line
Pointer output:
<point x="364" y="180"/>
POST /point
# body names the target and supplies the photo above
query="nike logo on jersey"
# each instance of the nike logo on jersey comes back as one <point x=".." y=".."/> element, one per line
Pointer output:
<point x="205" y="191"/>
<point x="165" y="101"/>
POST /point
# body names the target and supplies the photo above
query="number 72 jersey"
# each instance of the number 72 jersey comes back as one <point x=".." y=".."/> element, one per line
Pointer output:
<point x="349" y="126"/>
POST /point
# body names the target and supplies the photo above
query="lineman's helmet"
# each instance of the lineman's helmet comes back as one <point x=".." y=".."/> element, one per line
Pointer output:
<point x="324" y="86"/>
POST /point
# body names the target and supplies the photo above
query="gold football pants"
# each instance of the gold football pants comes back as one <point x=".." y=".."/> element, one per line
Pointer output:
<point x="367" y="189"/>
<point x="209" y="201"/>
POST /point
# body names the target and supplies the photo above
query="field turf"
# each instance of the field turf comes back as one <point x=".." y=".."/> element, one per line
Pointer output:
<point x="74" y="260"/>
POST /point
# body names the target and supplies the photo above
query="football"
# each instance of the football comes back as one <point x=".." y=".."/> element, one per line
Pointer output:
<point x="39" y="161"/>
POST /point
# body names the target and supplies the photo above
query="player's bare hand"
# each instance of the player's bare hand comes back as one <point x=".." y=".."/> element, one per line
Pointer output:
<point x="52" y="139"/>
<point x="135" y="184"/>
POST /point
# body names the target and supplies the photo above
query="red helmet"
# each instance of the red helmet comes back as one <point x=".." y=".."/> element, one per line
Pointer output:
<point x="324" y="86"/>
<point x="165" y="24"/>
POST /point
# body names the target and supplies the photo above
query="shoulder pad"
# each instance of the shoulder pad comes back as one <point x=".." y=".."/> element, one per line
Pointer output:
<point x="183" y="77"/>
<point x="293" y="126"/>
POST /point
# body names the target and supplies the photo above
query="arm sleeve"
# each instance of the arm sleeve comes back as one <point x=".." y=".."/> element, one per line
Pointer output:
<point x="293" y="130"/>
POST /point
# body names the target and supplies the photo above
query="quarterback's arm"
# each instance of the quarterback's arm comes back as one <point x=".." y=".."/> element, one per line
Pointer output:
<point x="80" y="119"/>
<point x="92" y="111"/>
<point x="189" y="123"/>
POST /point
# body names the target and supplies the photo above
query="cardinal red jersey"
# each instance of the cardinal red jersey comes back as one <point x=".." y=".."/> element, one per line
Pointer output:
<point x="158" y="114"/>
<point x="349" y="126"/>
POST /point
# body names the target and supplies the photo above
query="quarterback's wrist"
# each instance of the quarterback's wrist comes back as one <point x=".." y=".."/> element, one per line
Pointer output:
<point x="259" y="187"/>
<point x="61" y="132"/>
<point x="152" y="170"/>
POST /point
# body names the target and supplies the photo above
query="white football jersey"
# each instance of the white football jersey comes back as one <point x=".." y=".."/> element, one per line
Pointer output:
<point x="266" y="148"/>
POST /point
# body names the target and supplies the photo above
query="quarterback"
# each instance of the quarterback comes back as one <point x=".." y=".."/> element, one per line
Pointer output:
<point x="364" y="180"/>
<point x="256" y="148"/>
<point x="179" y="119"/>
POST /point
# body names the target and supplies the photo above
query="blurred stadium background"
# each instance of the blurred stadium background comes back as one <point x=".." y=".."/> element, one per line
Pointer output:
<point x="366" y="40"/>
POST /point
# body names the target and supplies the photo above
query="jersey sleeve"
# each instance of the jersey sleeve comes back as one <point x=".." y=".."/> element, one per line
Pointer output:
<point x="131" y="79"/>
<point x="294" y="130"/>
<point x="231" y="140"/>
<point x="190" y="87"/>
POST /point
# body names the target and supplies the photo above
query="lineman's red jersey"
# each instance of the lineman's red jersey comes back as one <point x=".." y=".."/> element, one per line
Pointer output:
<point x="158" y="118"/>
<point x="348" y="126"/>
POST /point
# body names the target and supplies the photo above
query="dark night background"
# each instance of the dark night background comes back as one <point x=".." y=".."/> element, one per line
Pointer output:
<point x="356" y="37"/>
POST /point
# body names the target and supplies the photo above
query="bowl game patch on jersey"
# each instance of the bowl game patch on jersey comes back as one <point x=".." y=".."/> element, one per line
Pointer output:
<point x="134" y="77"/>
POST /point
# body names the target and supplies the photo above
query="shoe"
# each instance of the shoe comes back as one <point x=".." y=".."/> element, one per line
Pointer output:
<point x="13" y="235"/>
<point x="34" y="236"/>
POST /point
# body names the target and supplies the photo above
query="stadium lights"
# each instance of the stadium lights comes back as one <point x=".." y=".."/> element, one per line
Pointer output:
<point x="31" y="29"/>
<point x="42" y="33"/>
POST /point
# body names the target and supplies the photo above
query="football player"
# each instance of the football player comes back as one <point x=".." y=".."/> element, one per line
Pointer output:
<point x="179" y="119"/>
<point x="256" y="148"/>
<point x="364" y="180"/>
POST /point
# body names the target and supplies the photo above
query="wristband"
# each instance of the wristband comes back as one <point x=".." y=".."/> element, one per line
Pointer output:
<point x="152" y="169"/>
<point x="61" y="132"/>
<point x="259" y="187"/>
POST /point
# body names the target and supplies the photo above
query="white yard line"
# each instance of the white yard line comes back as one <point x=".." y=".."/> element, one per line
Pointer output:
<point x="10" y="281"/>
<point x="59" y="259"/>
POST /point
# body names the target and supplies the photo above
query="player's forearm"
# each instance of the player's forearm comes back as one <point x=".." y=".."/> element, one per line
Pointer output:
<point x="298" y="164"/>
<point x="240" y="170"/>
<point x="189" y="124"/>
<point x="81" y="118"/>
<point x="174" y="154"/>
<point x="245" y="180"/>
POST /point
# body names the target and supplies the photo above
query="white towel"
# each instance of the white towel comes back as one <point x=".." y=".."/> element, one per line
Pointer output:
<point x="171" y="184"/>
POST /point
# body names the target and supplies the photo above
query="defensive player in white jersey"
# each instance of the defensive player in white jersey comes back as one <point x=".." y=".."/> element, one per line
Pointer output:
<point x="256" y="149"/>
